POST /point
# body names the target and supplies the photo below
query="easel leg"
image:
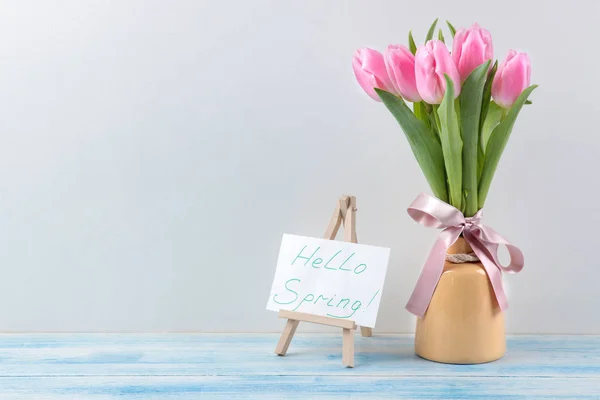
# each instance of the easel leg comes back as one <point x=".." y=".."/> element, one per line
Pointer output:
<point x="348" y="347"/>
<point x="366" y="331"/>
<point x="286" y="337"/>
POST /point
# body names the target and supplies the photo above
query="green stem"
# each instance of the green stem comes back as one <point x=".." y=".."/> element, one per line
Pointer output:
<point x="457" y="105"/>
<point x="421" y="112"/>
<point x="436" y="117"/>
<point x="497" y="143"/>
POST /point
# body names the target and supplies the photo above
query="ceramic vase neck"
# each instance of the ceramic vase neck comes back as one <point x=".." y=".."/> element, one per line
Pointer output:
<point x="460" y="247"/>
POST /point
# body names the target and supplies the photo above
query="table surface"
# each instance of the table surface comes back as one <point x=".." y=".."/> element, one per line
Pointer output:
<point x="243" y="366"/>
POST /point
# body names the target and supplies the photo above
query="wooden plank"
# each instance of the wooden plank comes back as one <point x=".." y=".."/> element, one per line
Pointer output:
<point x="350" y="221"/>
<point x="32" y="355"/>
<point x="317" y="319"/>
<point x="286" y="336"/>
<point x="365" y="331"/>
<point x="334" y="223"/>
<point x="344" y="201"/>
<point x="348" y="347"/>
<point x="350" y="236"/>
<point x="296" y="387"/>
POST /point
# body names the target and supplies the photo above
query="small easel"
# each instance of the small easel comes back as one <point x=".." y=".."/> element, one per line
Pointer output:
<point x="345" y="212"/>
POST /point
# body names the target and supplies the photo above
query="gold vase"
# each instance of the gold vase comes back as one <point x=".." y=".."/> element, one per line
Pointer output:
<point x="463" y="324"/>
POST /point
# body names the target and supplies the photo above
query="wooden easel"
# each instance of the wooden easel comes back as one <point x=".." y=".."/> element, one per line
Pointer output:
<point x="345" y="212"/>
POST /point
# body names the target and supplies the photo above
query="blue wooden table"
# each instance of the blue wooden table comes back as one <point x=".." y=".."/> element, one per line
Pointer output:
<point x="243" y="366"/>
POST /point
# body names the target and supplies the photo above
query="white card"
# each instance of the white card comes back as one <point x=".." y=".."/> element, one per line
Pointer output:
<point x="329" y="278"/>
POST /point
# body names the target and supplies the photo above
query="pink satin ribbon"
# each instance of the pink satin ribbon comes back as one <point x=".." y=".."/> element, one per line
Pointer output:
<point x="434" y="213"/>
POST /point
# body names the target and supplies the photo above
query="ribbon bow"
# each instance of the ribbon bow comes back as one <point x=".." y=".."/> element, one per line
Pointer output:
<point x="434" y="213"/>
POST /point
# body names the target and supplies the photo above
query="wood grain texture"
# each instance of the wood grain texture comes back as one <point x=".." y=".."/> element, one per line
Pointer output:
<point x="317" y="319"/>
<point x="286" y="337"/>
<point x="294" y="387"/>
<point x="243" y="366"/>
<point x="348" y="348"/>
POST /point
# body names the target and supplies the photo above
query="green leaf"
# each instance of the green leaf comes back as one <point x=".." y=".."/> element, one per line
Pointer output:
<point x="452" y="29"/>
<point x="411" y="43"/>
<point x="452" y="144"/>
<point x="528" y="102"/>
<point x="470" y="112"/>
<point x="480" y="162"/>
<point x="493" y="118"/>
<point x="441" y="36"/>
<point x="497" y="143"/>
<point x="431" y="30"/>
<point x="487" y="94"/>
<point x="465" y="195"/>
<point x="425" y="147"/>
<point x="485" y="104"/>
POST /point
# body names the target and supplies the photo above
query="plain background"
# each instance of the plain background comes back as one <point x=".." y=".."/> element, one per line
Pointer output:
<point x="152" y="154"/>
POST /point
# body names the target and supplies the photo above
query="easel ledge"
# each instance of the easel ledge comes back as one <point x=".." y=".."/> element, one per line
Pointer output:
<point x="345" y="212"/>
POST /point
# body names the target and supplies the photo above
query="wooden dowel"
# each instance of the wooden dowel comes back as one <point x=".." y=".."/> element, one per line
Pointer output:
<point x="286" y="337"/>
<point x="365" y="331"/>
<point x="334" y="223"/>
<point x="317" y="319"/>
<point x="348" y="348"/>
<point x="344" y="202"/>
<point x="350" y="221"/>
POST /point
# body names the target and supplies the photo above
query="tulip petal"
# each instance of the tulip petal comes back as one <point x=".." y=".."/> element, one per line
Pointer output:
<point x="400" y="65"/>
<point x="512" y="77"/>
<point x="432" y="61"/>
<point x="473" y="55"/>
<point x="471" y="48"/>
<point x="445" y="65"/>
<point x="370" y="72"/>
<point x="457" y="44"/>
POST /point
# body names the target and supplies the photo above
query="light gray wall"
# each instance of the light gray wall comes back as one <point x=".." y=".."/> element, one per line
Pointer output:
<point x="153" y="152"/>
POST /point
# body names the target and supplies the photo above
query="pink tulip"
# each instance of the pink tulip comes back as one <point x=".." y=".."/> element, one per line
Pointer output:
<point x="370" y="72"/>
<point x="400" y="65"/>
<point x="432" y="61"/>
<point x="513" y="76"/>
<point x="471" y="48"/>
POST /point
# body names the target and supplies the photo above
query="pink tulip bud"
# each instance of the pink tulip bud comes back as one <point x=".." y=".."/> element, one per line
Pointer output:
<point x="471" y="48"/>
<point x="432" y="61"/>
<point x="513" y="76"/>
<point x="370" y="72"/>
<point x="400" y="65"/>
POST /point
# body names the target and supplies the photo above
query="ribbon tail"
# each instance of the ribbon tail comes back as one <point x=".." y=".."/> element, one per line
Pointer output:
<point x="431" y="273"/>
<point x="493" y="271"/>
<point x="490" y="239"/>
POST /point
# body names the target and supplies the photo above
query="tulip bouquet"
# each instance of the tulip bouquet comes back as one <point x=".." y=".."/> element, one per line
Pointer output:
<point x="464" y="106"/>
